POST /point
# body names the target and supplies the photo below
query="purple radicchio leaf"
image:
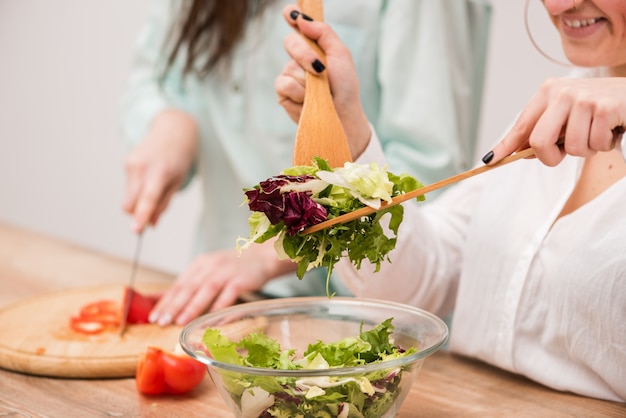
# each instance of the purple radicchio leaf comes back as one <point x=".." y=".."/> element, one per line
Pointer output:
<point x="271" y="205"/>
<point x="297" y="212"/>
<point x="301" y="211"/>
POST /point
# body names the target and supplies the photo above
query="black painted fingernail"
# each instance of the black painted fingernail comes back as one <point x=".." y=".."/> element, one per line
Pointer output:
<point x="307" y="17"/>
<point x="488" y="157"/>
<point x="294" y="14"/>
<point x="318" y="66"/>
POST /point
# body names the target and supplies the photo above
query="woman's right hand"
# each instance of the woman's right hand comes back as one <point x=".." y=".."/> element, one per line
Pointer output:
<point x="290" y="85"/>
<point x="575" y="116"/>
<point x="157" y="167"/>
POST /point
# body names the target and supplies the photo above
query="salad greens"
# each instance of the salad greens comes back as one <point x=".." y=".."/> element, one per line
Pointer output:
<point x="362" y="395"/>
<point x="302" y="196"/>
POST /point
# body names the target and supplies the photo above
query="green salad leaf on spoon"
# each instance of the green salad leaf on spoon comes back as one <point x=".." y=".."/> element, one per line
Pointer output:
<point x="285" y="205"/>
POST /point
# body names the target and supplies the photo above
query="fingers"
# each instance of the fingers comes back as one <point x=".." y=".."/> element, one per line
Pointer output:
<point x="577" y="130"/>
<point x="168" y="193"/>
<point x="547" y="130"/>
<point x="192" y="305"/>
<point x="297" y="46"/>
<point x="518" y="136"/>
<point x="186" y="298"/>
<point x="315" y="45"/>
<point x="226" y="298"/>
<point x="212" y="280"/>
<point x="291" y="12"/>
<point x="150" y="187"/>
<point x="304" y="53"/>
<point x="567" y="116"/>
<point x="152" y="198"/>
<point x="290" y="88"/>
<point x="606" y="130"/>
<point x="132" y="195"/>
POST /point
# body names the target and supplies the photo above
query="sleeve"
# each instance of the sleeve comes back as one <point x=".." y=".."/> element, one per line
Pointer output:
<point x="373" y="152"/>
<point x="431" y="57"/>
<point x="425" y="265"/>
<point x="146" y="94"/>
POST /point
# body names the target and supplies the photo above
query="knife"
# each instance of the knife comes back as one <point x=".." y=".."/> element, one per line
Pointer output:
<point x="131" y="284"/>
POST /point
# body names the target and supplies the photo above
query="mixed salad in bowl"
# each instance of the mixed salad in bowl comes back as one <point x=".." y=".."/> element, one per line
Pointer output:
<point x="362" y="395"/>
<point x="314" y="356"/>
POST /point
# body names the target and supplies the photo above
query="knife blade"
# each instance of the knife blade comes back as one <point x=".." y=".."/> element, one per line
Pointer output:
<point x="131" y="284"/>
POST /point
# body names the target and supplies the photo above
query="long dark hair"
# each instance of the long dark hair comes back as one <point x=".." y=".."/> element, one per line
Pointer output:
<point x="208" y="30"/>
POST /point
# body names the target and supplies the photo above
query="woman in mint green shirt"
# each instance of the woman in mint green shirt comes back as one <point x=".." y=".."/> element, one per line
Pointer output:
<point x="210" y="109"/>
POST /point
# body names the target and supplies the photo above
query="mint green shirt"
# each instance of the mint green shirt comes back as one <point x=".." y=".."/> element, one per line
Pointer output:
<point x="420" y="65"/>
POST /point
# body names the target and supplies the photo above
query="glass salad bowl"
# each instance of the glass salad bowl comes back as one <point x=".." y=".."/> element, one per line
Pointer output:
<point x="314" y="356"/>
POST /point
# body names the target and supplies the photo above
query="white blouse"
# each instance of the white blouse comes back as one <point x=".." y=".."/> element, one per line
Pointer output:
<point x="532" y="294"/>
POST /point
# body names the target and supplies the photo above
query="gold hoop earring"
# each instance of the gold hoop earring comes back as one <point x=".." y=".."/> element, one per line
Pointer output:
<point x="535" y="45"/>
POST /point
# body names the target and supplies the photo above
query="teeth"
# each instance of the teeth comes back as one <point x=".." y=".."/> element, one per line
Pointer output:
<point x="580" y="23"/>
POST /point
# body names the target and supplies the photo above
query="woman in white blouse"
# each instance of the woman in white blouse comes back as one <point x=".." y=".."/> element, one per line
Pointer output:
<point x="531" y="256"/>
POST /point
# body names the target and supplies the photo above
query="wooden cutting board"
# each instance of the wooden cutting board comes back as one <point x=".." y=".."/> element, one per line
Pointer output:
<point x="35" y="336"/>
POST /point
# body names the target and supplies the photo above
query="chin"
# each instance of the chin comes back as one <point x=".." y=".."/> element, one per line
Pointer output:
<point x="582" y="58"/>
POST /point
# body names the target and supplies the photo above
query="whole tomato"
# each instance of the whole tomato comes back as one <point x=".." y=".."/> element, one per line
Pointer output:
<point x="160" y="371"/>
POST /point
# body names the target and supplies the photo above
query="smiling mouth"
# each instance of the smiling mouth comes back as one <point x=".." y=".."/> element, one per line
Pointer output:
<point x="581" y="23"/>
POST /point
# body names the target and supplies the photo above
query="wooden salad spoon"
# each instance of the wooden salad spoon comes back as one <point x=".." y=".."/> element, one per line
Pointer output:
<point x="367" y="210"/>
<point x="320" y="133"/>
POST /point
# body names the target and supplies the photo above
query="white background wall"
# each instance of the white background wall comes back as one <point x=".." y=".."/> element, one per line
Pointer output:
<point x="63" y="66"/>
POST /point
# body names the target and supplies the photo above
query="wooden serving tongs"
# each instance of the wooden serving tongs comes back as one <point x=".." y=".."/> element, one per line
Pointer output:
<point x="367" y="210"/>
<point x="320" y="133"/>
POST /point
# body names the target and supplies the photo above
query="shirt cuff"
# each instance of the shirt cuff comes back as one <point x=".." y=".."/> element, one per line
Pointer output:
<point x="373" y="152"/>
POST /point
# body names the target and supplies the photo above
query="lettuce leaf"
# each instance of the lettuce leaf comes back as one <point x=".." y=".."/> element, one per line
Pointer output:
<point x="285" y="205"/>
<point x="362" y="395"/>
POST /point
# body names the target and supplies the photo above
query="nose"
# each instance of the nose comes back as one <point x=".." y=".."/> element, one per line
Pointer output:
<point x="556" y="7"/>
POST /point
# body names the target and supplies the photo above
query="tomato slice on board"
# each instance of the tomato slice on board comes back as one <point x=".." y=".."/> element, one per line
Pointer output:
<point x="165" y="372"/>
<point x="85" y="326"/>
<point x="98" y="316"/>
<point x="100" y="307"/>
<point x="106" y="312"/>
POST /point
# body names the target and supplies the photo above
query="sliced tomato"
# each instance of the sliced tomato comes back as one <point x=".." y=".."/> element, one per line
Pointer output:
<point x="105" y="318"/>
<point x="140" y="306"/>
<point x="100" y="307"/>
<point x="164" y="372"/>
<point x="98" y="316"/>
<point x="85" y="326"/>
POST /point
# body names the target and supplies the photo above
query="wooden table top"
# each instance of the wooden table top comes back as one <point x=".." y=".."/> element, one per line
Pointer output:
<point x="448" y="385"/>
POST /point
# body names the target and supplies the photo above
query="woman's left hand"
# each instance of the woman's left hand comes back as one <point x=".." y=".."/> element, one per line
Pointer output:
<point x="216" y="279"/>
<point x="588" y="115"/>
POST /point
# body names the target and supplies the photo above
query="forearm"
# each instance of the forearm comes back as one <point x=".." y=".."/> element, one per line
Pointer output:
<point x="177" y="125"/>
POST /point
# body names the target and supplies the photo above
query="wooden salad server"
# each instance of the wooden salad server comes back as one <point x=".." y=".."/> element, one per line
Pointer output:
<point x="367" y="210"/>
<point x="320" y="133"/>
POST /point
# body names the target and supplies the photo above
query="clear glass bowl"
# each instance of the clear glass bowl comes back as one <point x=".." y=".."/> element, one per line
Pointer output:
<point x="297" y="322"/>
